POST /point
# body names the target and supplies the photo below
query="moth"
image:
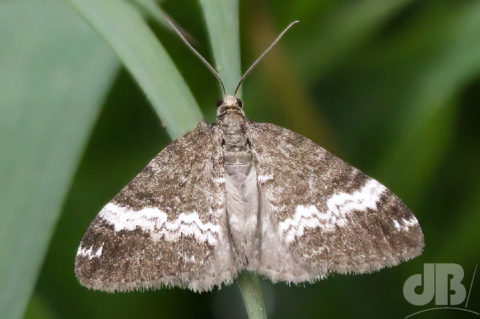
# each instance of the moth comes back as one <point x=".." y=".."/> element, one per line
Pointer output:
<point x="237" y="195"/>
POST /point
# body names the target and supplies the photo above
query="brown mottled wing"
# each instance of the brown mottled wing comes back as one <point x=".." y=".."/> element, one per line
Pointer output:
<point x="321" y="215"/>
<point x="167" y="227"/>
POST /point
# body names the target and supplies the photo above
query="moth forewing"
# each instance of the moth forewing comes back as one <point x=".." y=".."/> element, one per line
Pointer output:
<point x="167" y="227"/>
<point x="330" y="216"/>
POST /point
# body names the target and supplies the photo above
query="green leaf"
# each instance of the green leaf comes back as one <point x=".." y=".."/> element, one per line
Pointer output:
<point x="223" y="28"/>
<point x="54" y="75"/>
<point x="153" y="10"/>
<point x="121" y="25"/>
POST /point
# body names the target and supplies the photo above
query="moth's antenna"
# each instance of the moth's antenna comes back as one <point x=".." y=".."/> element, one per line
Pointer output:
<point x="208" y="65"/>
<point x="254" y="64"/>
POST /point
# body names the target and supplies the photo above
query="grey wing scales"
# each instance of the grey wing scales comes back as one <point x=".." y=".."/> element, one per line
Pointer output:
<point x="167" y="227"/>
<point x="320" y="215"/>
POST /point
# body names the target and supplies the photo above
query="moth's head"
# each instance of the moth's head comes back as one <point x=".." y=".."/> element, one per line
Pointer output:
<point x="229" y="103"/>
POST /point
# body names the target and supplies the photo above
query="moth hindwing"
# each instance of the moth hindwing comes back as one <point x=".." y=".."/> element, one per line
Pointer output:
<point x="237" y="195"/>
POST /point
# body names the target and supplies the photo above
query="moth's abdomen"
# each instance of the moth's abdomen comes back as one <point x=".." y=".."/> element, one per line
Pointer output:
<point x="242" y="206"/>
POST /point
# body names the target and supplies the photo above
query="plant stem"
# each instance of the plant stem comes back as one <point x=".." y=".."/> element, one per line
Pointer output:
<point x="251" y="291"/>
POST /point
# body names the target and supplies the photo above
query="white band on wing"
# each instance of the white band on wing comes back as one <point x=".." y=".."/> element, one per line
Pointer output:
<point x="155" y="221"/>
<point x="89" y="253"/>
<point x="339" y="205"/>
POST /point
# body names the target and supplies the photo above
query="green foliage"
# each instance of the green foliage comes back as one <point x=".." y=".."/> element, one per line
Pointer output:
<point x="123" y="28"/>
<point x="397" y="82"/>
<point x="54" y="74"/>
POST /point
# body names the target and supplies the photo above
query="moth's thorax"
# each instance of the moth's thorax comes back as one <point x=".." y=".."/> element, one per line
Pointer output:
<point x="232" y="123"/>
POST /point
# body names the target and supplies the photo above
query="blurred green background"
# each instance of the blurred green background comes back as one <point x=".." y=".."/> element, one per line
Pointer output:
<point x="392" y="87"/>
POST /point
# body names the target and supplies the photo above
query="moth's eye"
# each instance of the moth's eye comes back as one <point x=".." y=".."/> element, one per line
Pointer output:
<point x="219" y="102"/>
<point x="240" y="103"/>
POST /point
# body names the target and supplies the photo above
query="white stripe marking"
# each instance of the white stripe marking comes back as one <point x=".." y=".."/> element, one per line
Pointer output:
<point x="265" y="178"/>
<point x="219" y="180"/>
<point x="155" y="221"/>
<point x="339" y="205"/>
<point x="405" y="223"/>
<point x="89" y="252"/>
